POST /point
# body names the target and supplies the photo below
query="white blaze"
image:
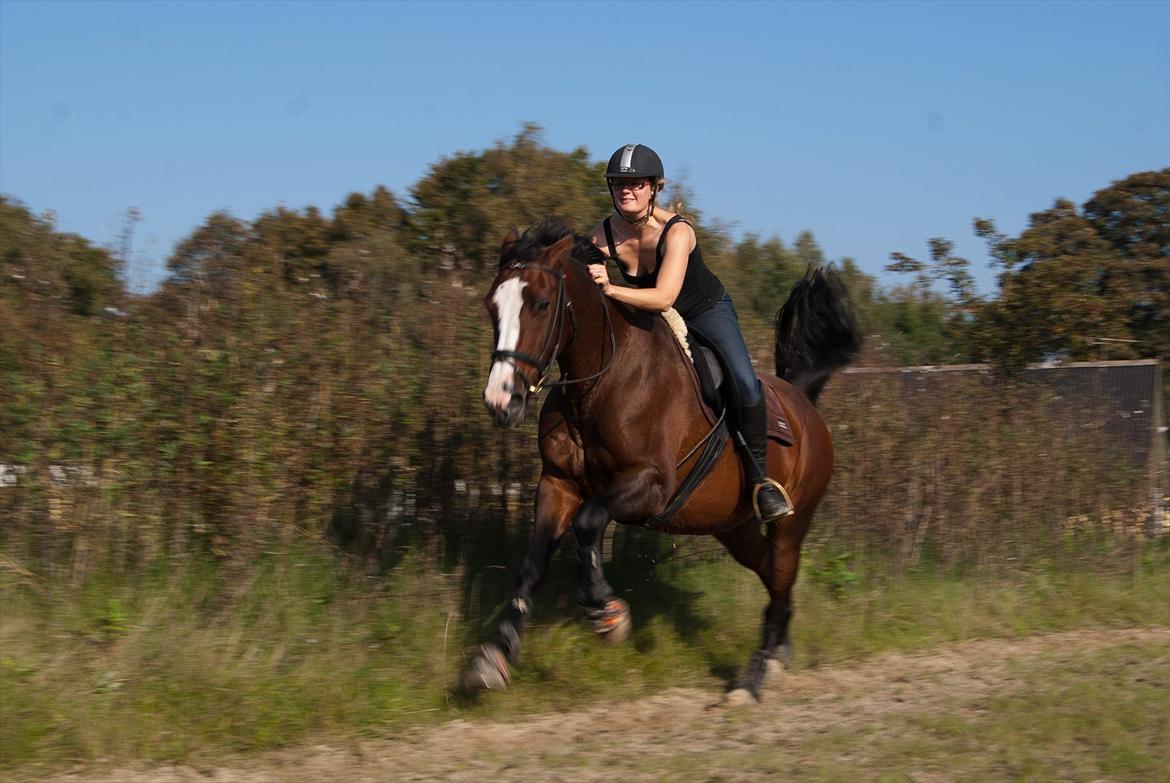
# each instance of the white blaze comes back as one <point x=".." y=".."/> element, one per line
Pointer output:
<point x="508" y="302"/>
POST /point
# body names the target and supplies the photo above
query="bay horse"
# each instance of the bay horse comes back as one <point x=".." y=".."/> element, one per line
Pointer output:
<point x="614" y="428"/>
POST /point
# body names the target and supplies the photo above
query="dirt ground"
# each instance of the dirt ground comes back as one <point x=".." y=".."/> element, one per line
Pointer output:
<point x="679" y="734"/>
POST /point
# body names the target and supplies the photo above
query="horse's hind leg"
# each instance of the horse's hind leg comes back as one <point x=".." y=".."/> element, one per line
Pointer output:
<point x="751" y="550"/>
<point x="556" y="502"/>
<point x="784" y="540"/>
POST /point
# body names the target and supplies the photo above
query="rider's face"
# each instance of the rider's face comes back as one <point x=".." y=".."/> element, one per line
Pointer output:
<point x="631" y="194"/>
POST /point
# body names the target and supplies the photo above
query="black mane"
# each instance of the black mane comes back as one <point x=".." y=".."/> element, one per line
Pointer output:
<point x="547" y="232"/>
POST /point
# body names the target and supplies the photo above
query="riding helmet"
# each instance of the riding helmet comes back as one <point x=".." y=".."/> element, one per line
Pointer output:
<point x="634" y="160"/>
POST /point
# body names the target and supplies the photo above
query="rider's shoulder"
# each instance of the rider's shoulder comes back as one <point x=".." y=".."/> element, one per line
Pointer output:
<point x="680" y="230"/>
<point x="597" y="237"/>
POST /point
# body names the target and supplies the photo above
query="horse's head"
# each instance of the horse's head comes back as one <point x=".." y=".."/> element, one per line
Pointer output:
<point x="527" y="304"/>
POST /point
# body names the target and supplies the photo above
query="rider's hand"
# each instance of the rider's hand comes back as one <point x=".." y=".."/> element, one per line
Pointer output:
<point x="600" y="276"/>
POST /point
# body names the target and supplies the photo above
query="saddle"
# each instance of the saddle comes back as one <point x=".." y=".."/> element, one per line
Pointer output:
<point x="707" y="375"/>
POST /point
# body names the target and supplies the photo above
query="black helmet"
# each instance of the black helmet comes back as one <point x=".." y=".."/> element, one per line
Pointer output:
<point x="634" y="160"/>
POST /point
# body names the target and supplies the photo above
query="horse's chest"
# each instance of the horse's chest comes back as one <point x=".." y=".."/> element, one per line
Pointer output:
<point x="607" y="455"/>
<point x="600" y="466"/>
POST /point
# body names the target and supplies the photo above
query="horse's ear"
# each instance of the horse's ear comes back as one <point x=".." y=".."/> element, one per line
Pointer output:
<point x="560" y="248"/>
<point x="509" y="243"/>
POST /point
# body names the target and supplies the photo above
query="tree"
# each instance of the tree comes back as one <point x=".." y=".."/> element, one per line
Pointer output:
<point x="362" y="216"/>
<point x="759" y="274"/>
<point x="1133" y="215"/>
<point x="467" y="203"/>
<point x="54" y="269"/>
<point x="211" y="254"/>
<point x="1073" y="282"/>
<point x="922" y="326"/>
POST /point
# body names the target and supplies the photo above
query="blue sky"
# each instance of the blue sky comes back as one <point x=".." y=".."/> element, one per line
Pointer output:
<point x="874" y="125"/>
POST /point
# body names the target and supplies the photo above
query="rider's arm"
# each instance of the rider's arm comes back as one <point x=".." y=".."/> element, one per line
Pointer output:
<point x="680" y="241"/>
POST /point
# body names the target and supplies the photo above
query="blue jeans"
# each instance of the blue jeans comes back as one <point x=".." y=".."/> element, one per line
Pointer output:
<point x="720" y="327"/>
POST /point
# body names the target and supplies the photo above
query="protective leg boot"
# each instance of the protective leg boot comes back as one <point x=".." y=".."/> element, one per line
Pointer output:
<point x="769" y="499"/>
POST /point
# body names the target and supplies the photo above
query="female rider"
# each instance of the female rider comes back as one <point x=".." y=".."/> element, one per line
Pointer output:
<point x="659" y="258"/>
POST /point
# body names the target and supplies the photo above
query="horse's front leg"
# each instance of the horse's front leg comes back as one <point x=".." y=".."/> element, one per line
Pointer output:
<point x="556" y="502"/>
<point x="632" y="496"/>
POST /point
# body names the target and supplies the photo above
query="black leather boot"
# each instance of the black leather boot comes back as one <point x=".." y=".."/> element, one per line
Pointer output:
<point x="769" y="499"/>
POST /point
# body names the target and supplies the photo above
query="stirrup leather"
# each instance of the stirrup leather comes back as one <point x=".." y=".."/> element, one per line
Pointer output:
<point x="779" y="488"/>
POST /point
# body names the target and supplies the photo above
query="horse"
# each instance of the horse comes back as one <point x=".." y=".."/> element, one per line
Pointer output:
<point x="616" y="426"/>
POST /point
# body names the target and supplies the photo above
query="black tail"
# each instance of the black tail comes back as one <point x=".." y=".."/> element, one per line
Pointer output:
<point x="816" y="334"/>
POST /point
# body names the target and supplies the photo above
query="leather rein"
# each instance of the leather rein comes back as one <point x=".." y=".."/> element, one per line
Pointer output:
<point x="555" y="332"/>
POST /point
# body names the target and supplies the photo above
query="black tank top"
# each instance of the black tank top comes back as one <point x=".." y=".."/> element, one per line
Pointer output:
<point x="700" y="290"/>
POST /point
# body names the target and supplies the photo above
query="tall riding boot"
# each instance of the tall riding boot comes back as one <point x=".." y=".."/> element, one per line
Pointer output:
<point x="769" y="499"/>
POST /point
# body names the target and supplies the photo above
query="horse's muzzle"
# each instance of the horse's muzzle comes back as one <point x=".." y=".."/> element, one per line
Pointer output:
<point x="510" y="414"/>
<point x="505" y="395"/>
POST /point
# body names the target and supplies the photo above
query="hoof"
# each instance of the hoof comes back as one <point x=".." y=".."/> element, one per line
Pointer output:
<point x="739" y="697"/>
<point x="488" y="671"/>
<point x="612" y="623"/>
<point x="772" y="670"/>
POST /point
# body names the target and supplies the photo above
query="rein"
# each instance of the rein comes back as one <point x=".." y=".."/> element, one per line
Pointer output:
<point x="544" y="368"/>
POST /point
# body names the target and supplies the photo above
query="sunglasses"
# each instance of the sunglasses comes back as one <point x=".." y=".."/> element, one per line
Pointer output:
<point x="628" y="184"/>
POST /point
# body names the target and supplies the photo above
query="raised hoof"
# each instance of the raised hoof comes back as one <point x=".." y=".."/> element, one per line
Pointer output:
<point x="739" y="697"/>
<point x="488" y="671"/>
<point x="612" y="622"/>
<point x="772" y="670"/>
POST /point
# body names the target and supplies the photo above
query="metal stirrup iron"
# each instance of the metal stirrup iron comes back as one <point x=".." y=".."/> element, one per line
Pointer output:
<point x="783" y="493"/>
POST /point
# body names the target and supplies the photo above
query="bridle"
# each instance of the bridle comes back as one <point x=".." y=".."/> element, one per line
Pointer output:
<point x="555" y="332"/>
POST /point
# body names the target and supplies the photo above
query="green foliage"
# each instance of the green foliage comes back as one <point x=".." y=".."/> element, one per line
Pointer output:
<point x="1057" y="291"/>
<point x="42" y="267"/>
<point x="1082" y="284"/>
<point x="834" y="575"/>
<point x="913" y="328"/>
<point x="917" y="324"/>
<point x="113" y="622"/>
<point x="466" y="204"/>
<point x="760" y="272"/>
<point x="1076" y="284"/>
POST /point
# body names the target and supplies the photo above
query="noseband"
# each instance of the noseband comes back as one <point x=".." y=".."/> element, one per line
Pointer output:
<point x="556" y="329"/>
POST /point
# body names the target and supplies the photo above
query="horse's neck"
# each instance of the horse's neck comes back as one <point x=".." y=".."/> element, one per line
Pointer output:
<point x="589" y="341"/>
<point x="641" y="338"/>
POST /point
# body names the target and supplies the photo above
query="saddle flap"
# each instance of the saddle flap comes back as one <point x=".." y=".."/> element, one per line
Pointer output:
<point x="778" y="429"/>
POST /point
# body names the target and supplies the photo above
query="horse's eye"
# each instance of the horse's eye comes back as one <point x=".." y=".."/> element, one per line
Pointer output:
<point x="541" y="305"/>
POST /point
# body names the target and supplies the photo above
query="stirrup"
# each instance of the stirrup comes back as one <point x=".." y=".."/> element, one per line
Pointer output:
<point x="783" y="493"/>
